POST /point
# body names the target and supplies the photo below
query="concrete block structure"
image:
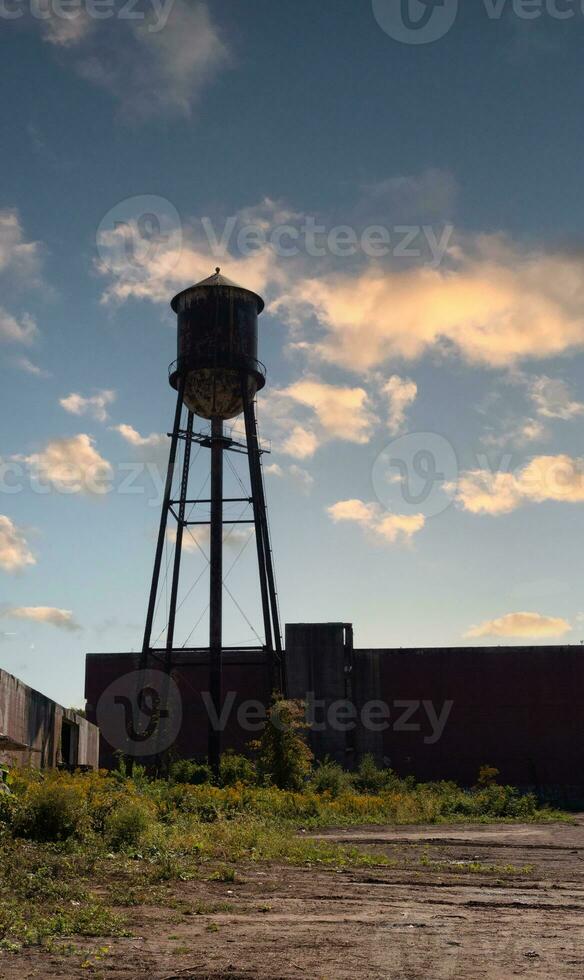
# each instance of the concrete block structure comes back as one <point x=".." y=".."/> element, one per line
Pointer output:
<point x="35" y="731"/>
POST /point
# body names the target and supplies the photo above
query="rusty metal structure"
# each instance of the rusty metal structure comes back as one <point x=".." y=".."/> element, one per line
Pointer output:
<point x="217" y="375"/>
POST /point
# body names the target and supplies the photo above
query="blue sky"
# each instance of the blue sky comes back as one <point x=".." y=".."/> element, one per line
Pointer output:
<point x="424" y="347"/>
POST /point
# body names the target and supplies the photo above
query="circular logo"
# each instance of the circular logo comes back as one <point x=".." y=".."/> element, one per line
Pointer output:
<point x="416" y="474"/>
<point x="140" y="714"/>
<point x="140" y="239"/>
<point x="415" y="21"/>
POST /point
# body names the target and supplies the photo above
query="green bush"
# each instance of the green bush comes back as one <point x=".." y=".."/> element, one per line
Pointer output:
<point x="330" y="777"/>
<point x="187" y="771"/>
<point x="127" y="823"/>
<point x="54" y="810"/>
<point x="236" y="769"/>
<point x="369" y="778"/>
<point x="284" y="758"/>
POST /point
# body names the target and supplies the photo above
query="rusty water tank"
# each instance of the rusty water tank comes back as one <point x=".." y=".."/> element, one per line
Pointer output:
<point x="217" y="346"/>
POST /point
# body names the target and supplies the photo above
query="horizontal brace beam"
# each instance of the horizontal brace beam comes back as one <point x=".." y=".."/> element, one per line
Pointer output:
<point x="228" y="444"/>
<point x="226" y="500"/>
<point x="228" y="523"/>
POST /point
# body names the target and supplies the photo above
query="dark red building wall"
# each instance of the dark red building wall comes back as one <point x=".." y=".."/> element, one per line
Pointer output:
<point x="245" y="679"/>
<point x="517" y="708"/>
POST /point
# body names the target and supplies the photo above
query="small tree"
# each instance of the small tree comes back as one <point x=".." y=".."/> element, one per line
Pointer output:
<point x="284" y="758"/>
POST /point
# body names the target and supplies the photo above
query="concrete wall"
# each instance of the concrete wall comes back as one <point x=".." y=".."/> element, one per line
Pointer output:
<point x="32" y="726"/>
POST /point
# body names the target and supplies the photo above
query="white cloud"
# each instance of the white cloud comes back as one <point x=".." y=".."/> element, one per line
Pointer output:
<point x="153" y="72"/>
<point x="310" y="412"/>
<point x="388" y="528"/>
<point x="61" y="618"/>
<point x="298" y="474"/>
<point x="71" y="465"/>
<point x="302" y="477"/>
<point x="17" y="256"/>
<point x="301" y="443"/>
<point x="545" y="478"/>
<point x="29" y="367"/>
<point x="17" y="331"/>
<point x="14" y="551"/>
<point x="431" y="193"/>
<point x="517" y="432"/>
<point x="552" y="398"/>
<point x="401" y="393"/>
<point x="521" y="624"/>
<point x="65" y="29"/>
<point x="492" y="303"/>
<point x="156" y="273"/>
<point x="196" y="539"/>
<point x="131" y="435"/>
<point x="95" y="405"/>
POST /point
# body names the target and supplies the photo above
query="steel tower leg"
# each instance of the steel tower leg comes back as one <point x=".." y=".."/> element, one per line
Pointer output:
<point x="216" y="590"/>
<point x="259" y="534"/>
<point x="162" y="528"/>
<point x="265" y="552"/>
<point x="179" y="538"/>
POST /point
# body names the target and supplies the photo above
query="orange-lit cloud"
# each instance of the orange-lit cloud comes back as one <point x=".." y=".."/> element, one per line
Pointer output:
<point x="557" y="478"/>
<point x="493" y="303"/>
<point x="61" y="618"/>
<point x="14" y="551"/>
<point x="385" y="527"/>
<point x="520" y="624"/>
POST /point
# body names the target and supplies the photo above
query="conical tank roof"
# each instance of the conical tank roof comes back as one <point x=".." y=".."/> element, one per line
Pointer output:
<point x="217" y="280"/>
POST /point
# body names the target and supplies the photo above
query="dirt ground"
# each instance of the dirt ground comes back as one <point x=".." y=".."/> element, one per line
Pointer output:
<point x="460" y="901"/>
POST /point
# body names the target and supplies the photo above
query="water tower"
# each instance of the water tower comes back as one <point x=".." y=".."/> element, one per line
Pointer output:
<point x="216" y="376"/>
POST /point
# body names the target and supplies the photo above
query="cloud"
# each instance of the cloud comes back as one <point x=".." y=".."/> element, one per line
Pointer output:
<point x="520" y="624"/>
<point x="492" y="303"/>
<point x="154" y="69"/>
<point x="17" y="331"/>
<point x="29" y="367"/>
<point x="61" y="618"/>
<point x="197" y="539"/>
<point x="14" y="551"/>
<point x="388" y="528"/>
<point x="310" y="412"/>
<point x="19" y="257"/>
<point x="302" y="477"/>
<point x="301" y="443"/>
<point x="71" y="465"/>
<point x="401" y="393"/>
<point x="96" y="405"/>
<point x="552" y="398"/>
<point x="545" y="478"/>
<point x="131" y="435"/>
<point x="165" y="267"/>
<point x="429" y="194"/>
<point x="65" y="29"/>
